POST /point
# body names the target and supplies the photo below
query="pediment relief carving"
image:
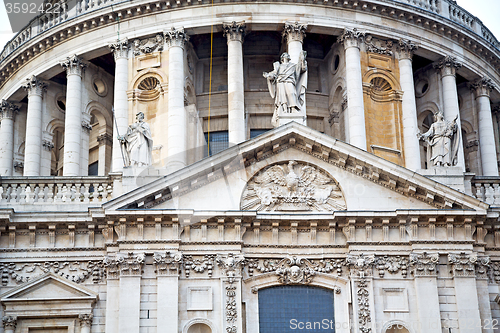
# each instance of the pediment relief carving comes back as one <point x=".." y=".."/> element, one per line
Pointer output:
<point x="292" y="186"/>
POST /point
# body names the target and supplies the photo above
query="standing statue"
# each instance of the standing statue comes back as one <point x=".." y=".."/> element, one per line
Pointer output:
<point x="287" y="84"/>
<point x="442" y="142"/>
<point x="137" y="144"/>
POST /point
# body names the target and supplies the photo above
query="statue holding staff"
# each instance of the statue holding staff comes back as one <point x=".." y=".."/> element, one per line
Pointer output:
<point x="287" y="84"/>
<point x="137" y="143"/>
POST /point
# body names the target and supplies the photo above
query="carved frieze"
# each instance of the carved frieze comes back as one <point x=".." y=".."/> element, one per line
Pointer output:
<point x="167" y="263"/>
<point x="393" y="265"/>
<point x="379" y="46"/>
<point x="148" y="45"/>
<point x="292" y="186"/>
<point x="424" y="264"/>
<point x="463" y="265"/>
<point x="198" y="265"/>
<point x="361" y="265"/>
<point x="231" y="264"/>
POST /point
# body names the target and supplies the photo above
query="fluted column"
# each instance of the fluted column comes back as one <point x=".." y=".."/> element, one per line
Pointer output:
<point x="85" y="322"/>
<point x="351" y="39"/>
<point x="177" y="120"/>
<point x="448" y="66"/>
<point x="120" y="53"/>
<point x="8" y="113"/>
<point x="235" y="85"/>
<point x="482" y="89"/>
<point x="74" y="67"/>
<point x="9" y="324"/>
<point x="410" y="123"/>
<point x="294" y="34"/>
<point x="33" y="145"/>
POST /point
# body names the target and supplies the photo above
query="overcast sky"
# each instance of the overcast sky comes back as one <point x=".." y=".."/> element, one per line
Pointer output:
<point x="488" y="11"/>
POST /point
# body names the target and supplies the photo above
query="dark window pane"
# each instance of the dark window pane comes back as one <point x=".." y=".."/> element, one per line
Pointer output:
<point x="94" y="169"/>
<point x="218" y="142"/>
<point x="257" y="132"/>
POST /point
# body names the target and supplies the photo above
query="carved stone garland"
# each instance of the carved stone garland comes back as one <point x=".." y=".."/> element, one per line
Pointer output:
<point x="148" y="45"/>
<point x="364" y="314"/>
<point x="231" y="266"/>
<point x="292" y="186"/>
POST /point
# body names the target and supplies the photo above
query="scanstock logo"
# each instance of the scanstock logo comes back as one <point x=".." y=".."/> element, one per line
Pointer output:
<point x="22" y="12"/>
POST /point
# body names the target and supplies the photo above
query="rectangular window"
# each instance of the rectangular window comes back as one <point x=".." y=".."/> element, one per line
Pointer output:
<point x="219" y="141"/>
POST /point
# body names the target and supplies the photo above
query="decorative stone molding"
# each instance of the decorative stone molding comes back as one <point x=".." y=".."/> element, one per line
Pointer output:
<point x="75" y="271"/>
<point x="9" y="322"/>
<point x="73" y="65"/>
<point x="424" y="264"/>
<point x="494" y="272"/>
<point x="86" y="126"/>
<point x="392" y="264"/>
<point x="463" y="264"/>
<point x="85" y="319"/>
<point x="234" y="31"/>
<point x="124" y="265"/>
<point x="47" y="145"/>
<point x="334" y="118"/>
<point x="448" y="65"/>
<point x="379" y="46"/>
<point x="206" y="263"/>
<point x="149" y="45"/>
<point x="34" y="86"/>
<point x="292" y="186"/>
<point x="167" y="264"/>
<point x="231" y="265"/>
<point x="344" y="103"/>
<point x="8" y="110"/>
<point x="482" y="87"/>
<point x="175" y="37"/>
<point x="18" y="166"/>
<point x="482" y="267"/>
<point x="351" y="38"/>
<point x="105" y="139"/>
<point x="294" y="31"/>
<point x="406" y="49"/>
<point x="119" y="49"/>
<point x="364" y="313"/>
<point x="361" y="265"/>
<point x="472" y="145"/>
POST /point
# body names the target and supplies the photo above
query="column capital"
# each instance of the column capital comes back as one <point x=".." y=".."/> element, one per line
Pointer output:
<point x="482" y="87"/>
<point x="234" y="31"/>
<point x="424" y="264"/>
<point x="119" y="49"/>
<point x="175" y="37"/>
<point x="34" y="86"/>
<point x="9" y="322"/>
<point x="294" y="31"/>
<point x="406" y="49"/>
<point x="105" y="139"/>
<point x="73" y="65"/>
<point x="167" y="263"/>
<point x="448" y="65"/>
<point x="351" y="38"/>
<point x="8" y="110"/>
<point x="85" y="319"/>
<point x="463" y="264"/>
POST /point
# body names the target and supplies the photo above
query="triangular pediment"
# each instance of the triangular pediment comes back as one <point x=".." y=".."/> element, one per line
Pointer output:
<point x="48" y="287"/>
<point x="352" y="178"/>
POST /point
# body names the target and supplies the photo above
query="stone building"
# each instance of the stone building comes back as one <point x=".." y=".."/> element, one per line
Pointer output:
<point x="372" y="206"/>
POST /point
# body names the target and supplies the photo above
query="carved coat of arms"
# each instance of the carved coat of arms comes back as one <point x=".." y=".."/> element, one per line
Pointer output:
<point x="292" y="186"/>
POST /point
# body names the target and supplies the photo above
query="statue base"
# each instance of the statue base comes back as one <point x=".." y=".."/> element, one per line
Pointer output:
<point x="299" y="117"/>
<point x="453" y="177"/>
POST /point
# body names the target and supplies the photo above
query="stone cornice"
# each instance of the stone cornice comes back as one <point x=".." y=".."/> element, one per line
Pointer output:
<point x="25" y="47"/>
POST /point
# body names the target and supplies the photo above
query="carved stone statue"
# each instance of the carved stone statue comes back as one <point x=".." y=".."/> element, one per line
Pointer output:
<point x="442" y="142"/>
<point x="137" y="144"/>
<point x="287" y="84"/>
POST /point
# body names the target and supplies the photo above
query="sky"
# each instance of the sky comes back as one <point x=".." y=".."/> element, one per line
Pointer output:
<point x="486" y="10"/>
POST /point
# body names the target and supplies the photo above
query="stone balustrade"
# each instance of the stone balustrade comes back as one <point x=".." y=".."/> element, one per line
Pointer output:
<point x="487" y="189"/>
<point x="48" y="21"/>
<point x="59" y="190"/>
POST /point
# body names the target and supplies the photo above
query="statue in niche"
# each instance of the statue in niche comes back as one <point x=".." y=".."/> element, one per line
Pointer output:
<point x="137" y="144"/>
<point x="442" y="142"/>
<point x="287" y="84"/>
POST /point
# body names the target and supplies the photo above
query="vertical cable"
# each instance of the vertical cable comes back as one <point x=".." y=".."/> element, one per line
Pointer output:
<point x="210" y="75"/>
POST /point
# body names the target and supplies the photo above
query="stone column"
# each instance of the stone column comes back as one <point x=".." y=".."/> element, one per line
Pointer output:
<point x="85" y="322"/>
<point x="448" y="66"/>
<point x="120" y="126"/>
<point x="464" y="278"/>
<point x="112" y="292"/>
<point x="74" y="67"/>
<point x="424" y="268"/>
<point x="177" y="119"/>
<point x="235" y="85"/>
<point x="8" y="114"/>
<point x="33" y="144"/>
<point x="351" y="39"/>
<point x="167" y="277"/>
<point x="410" y="123"/>
<point x="105" y="141"/>
<point x="483" y="292"/>
<point x="294" y="34"/>
<point x="130" y="290"/>
<point x="482" y="89"/>
<point x="9" y="324"/>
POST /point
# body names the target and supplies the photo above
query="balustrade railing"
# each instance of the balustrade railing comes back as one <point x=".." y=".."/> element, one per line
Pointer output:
<point x="487" y="189"/>
<point x="59" y="190"/>
<point x="77" y="8"/>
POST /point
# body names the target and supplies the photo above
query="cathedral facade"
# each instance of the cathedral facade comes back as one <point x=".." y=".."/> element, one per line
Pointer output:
<point x="234" y="166"/>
